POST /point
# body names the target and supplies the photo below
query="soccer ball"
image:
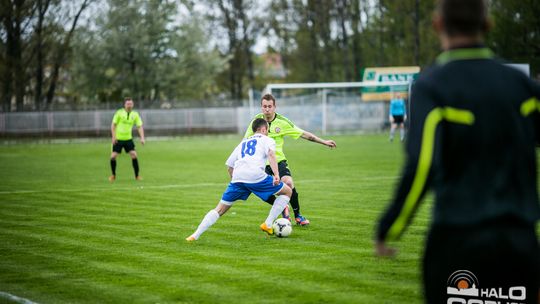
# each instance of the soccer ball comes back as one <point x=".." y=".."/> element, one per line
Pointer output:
<point x="282" y="227"/>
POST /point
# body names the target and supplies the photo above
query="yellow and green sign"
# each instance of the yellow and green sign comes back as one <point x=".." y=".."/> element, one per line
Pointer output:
<point x="387" y="75"/>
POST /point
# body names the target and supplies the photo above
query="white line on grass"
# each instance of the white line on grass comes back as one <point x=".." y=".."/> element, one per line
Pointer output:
<point x="171" y="186"/>
<point x="10" y="297"/>
<point x="112" y="189"/>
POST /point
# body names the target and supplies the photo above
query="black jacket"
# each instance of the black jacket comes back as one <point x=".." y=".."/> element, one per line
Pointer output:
<point x="474" y="126"/>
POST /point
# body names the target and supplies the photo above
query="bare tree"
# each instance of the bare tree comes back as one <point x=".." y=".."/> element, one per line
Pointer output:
<point x="343" y="19"/>
<point x="231" y="26"/>
<point x="42" y="8"/>
<point x="6" y="15"/>
<point x="246" y="41"/>
<point x="62" y="51"/>
<point x="356" y="24"/>
<point x="16" y="18"/>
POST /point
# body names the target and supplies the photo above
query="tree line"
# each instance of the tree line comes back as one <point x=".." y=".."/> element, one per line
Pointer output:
<point x="91" y="51"/>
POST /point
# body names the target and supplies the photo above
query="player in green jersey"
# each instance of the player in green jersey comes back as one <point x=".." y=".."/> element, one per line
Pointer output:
<point x="121" y="129"/>
<point x="280" y="127"/>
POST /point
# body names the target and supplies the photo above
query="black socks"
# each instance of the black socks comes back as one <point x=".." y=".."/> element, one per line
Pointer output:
<point x="135" y="163"/>
<point x="294" y="203"/>
<point x="271" y="199"/>
<point x="113" y="166"/>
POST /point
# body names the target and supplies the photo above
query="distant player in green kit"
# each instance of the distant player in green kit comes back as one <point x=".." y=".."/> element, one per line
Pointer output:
<point x="122" y="138"/>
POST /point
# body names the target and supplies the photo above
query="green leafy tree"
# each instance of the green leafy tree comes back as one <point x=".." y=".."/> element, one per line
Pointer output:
<point x="140" y="49"/>
<point x="516" y="35"/>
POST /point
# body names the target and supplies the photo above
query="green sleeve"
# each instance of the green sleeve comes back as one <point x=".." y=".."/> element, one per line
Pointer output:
<point x="116" y="118"/>
<point x="249" y="131"/>
<point x="294" y="132"/>
<point x="138" y="120"/>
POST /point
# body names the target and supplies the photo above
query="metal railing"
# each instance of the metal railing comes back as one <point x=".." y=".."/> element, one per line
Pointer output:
<point x="334" y="114"/>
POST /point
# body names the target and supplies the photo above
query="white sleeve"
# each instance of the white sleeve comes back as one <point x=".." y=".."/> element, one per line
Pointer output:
<point x="271" y="144"/>
<point x="233" y="157"/>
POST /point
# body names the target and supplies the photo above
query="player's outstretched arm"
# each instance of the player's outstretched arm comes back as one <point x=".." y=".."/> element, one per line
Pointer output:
<point x="141" y="134"/>
<point x="312" y="137"/>
<point x="273" y="165"/>
<point x="415" y="178"/>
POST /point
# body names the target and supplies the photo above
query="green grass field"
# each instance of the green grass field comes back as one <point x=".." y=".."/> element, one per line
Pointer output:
<point x="69" y="236"/>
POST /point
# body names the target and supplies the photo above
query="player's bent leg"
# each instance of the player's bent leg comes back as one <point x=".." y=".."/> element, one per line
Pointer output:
<point x="287" y="179"/>
<point x="222" y="207"/>
<point x="135" y="164"/>
<point x="286" y="214"/>
<point x="295" y="203"/>
<point x="284" y="195"/>
<point x="402" y="131"/>
<point x="210" y="219"/>
<point x="285" y="190"/>
<point x="277" y="208"/>
<point x="392" y="131"/>
<point x="298" y="217"/>
<point x="271" y="199"/>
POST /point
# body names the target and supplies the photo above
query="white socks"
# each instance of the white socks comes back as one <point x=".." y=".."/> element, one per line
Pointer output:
<point x="279" y="204"/>
<point x="401" y="133"/>
<point x="209" y="219"/>
<point x="212" y="216"/>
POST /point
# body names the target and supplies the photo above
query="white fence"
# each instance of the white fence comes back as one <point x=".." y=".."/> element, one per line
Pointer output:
<point x="337" y="114"/>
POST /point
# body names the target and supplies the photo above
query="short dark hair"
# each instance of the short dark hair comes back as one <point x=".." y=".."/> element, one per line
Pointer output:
<point x="268" y="97"/>
<point x="127" y="98"/>
<point x="464" y="17"/>
<point x="258" y="123"/>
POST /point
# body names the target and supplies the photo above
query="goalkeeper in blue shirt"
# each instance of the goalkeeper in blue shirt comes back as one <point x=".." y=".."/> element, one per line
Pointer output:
<point x="398" y="116"/>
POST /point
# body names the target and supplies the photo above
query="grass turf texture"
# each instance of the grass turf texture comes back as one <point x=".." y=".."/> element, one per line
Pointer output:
<point x="68" y="236"/>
